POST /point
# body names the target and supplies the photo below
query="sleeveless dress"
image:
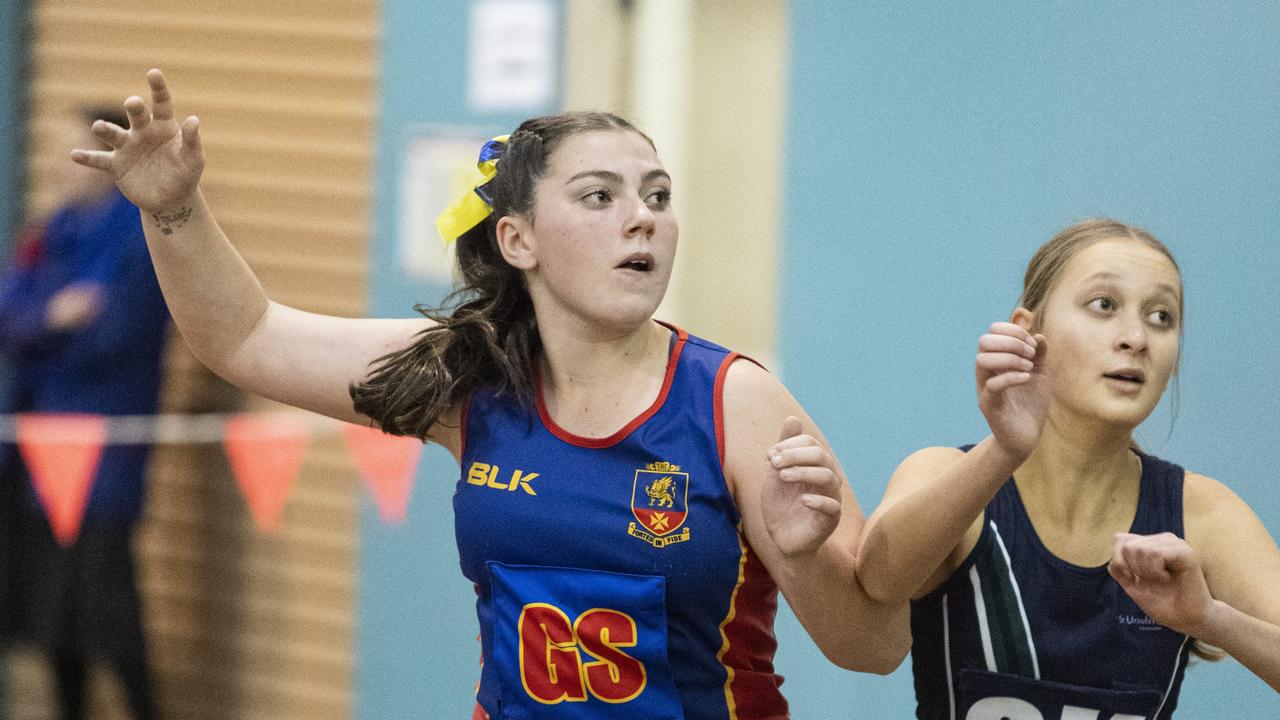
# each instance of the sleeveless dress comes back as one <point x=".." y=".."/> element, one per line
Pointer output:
<point x="1017" y="633"/>
<point x="612" y="576"/>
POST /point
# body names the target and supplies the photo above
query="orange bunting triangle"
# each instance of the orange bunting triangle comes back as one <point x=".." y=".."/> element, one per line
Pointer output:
<point x="387" y="463"/>
<point x="266" y="453"/>
<point x="62" y="454"/>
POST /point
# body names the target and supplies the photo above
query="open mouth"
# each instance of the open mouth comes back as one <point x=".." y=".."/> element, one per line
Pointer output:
<point x="1129" y="376"/>
<point x="639" y="262"/>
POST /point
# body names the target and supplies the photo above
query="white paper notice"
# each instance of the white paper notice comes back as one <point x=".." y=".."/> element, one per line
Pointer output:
<point x="439" y="167"/>
<point x="512" y="63"/>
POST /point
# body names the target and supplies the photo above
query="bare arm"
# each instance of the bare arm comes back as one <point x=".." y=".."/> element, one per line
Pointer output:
<point x="800" y="517"/>
<point x="1219" y="585"/>
<point x="930" y="519"/>
<point x="299" y="358"/>
<point x="931" y="514"/>
<point x="226" y="318"/>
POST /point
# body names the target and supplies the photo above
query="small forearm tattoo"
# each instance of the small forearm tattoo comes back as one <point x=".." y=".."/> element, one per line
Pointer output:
<point x="172" y="220"/>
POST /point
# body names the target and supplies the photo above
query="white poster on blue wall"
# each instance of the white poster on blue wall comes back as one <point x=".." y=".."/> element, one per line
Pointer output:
<point x="512" y="62"/>
<point x="439" y="167"/>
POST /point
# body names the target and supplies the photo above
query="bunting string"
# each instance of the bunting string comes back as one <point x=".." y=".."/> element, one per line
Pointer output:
<point x="177" y="428"/>
<point x="264" y="449"/>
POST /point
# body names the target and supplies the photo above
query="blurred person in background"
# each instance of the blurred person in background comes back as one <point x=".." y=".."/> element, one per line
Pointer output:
<point x="83" y="327"/>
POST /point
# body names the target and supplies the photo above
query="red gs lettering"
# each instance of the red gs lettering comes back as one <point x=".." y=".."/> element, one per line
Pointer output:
<point x="615" y="677"/>
<point x="551" y="667"/>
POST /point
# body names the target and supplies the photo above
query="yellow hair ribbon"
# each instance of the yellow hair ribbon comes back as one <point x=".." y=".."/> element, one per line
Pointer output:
<point x="472" y="208"/>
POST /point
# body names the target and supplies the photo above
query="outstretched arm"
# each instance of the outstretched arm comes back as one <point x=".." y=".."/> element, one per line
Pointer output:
<point x="1218" y="585"/>
<point x="931" y="514"/>
<point x="295" y="357"/>
<point x="801" y="519"/>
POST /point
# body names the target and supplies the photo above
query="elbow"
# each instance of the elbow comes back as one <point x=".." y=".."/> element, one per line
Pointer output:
<point x="880" y="647"/>
<point x="886" y="663"/>
<point x="882" y="589"/>
<point x="881" y="657"/>
<point x="876" y="574"/>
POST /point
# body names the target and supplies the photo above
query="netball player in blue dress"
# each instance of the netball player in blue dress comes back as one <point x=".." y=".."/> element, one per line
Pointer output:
<point x="1056" y="570"/>
<point x="626" y="509"/>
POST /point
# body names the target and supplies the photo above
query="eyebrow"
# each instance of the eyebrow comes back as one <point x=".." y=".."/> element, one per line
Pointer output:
<point x="614" y="177"/>
<point x="1108" y="275"/>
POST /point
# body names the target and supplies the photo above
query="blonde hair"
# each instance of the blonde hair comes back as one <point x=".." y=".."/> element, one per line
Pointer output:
<point x="1047" y="264"/>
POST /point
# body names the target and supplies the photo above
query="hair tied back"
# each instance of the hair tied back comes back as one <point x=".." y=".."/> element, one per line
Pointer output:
<point x="474" y="206"/>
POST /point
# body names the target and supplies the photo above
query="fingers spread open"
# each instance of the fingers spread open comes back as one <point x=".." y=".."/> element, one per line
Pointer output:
<point x="161" y="105"/>
<point x="137" y="112"/>
<point x="191" y="133"/>
<point x="96" y="159"/>
<point x="109" y="133"/>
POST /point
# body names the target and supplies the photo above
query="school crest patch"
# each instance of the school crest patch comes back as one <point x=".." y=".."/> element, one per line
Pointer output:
<point x="660" y="504"/>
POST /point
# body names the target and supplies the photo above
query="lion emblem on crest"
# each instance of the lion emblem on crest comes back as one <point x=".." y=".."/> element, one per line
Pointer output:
<point x="660" y="492"/>
<point x="660" y="504"/>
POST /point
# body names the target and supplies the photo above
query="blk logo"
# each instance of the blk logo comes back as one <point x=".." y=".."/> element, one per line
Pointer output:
<point x="487" y="475"/>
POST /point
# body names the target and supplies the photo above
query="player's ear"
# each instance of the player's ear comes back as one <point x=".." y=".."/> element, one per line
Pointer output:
<point x="1024" y="319"/>
<point x="516" y="242"/>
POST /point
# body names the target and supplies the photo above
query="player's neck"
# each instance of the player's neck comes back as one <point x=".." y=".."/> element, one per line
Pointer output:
<point x="592" y="385"/>
<point x="1078" y="478"/>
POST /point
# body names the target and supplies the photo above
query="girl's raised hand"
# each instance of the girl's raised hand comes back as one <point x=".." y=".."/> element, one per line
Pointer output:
<point x="155" y="162"/>
<point x="1012" y="391"/>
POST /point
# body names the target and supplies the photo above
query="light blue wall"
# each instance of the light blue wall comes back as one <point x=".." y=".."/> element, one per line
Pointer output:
<point x="933" y="146"/>
<point x="416" y="650"/>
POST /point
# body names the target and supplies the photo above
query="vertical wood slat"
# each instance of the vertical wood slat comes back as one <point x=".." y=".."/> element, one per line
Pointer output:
<point x="241" y="624"/>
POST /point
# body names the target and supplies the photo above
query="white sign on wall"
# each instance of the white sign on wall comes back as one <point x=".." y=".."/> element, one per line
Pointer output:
<point x="439" y="167"/>
<point x="512" y="63"/>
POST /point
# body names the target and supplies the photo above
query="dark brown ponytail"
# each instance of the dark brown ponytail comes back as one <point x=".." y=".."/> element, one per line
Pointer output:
<point x="486" y="333"/>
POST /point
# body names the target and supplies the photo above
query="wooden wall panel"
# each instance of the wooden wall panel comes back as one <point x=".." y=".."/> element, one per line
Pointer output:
<point x="242" y="624"/>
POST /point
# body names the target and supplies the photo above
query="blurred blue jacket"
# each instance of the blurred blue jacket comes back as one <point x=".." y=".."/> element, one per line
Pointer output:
<point x="113" y="365"/>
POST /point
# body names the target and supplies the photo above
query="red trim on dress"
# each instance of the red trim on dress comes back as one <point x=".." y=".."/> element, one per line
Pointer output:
<point x="681" y="338"/>
<point x="718" y="395"/>
<point x="750" y="644"/>
<point x="718" y="402"/>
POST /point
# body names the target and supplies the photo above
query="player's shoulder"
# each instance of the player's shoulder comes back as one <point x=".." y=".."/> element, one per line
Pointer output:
<point x="1206" y="498"/>
<point x="929" y="459"/>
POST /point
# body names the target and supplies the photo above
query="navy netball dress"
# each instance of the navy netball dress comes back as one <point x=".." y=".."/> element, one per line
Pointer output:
<point x="612" y="576"/>
<point x="1017" y="633"/>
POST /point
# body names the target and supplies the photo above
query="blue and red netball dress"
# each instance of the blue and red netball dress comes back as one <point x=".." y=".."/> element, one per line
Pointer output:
<point x="1017" y="633"/>
<point x="612" y="575"/>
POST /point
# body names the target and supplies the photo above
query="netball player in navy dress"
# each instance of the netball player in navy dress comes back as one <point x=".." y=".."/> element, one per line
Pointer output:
<point x="626" y="508"/>
<point x="1057" y="571"/>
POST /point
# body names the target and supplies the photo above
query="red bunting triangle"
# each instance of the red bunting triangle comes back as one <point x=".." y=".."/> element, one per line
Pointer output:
<point x="266" y="453"/>
<point x="62" y="454"/>
<point x="387" y="463"/>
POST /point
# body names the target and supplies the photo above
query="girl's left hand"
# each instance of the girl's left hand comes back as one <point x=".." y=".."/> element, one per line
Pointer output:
<point x="800" y="500"/>
<point x="1164" y="577"/>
